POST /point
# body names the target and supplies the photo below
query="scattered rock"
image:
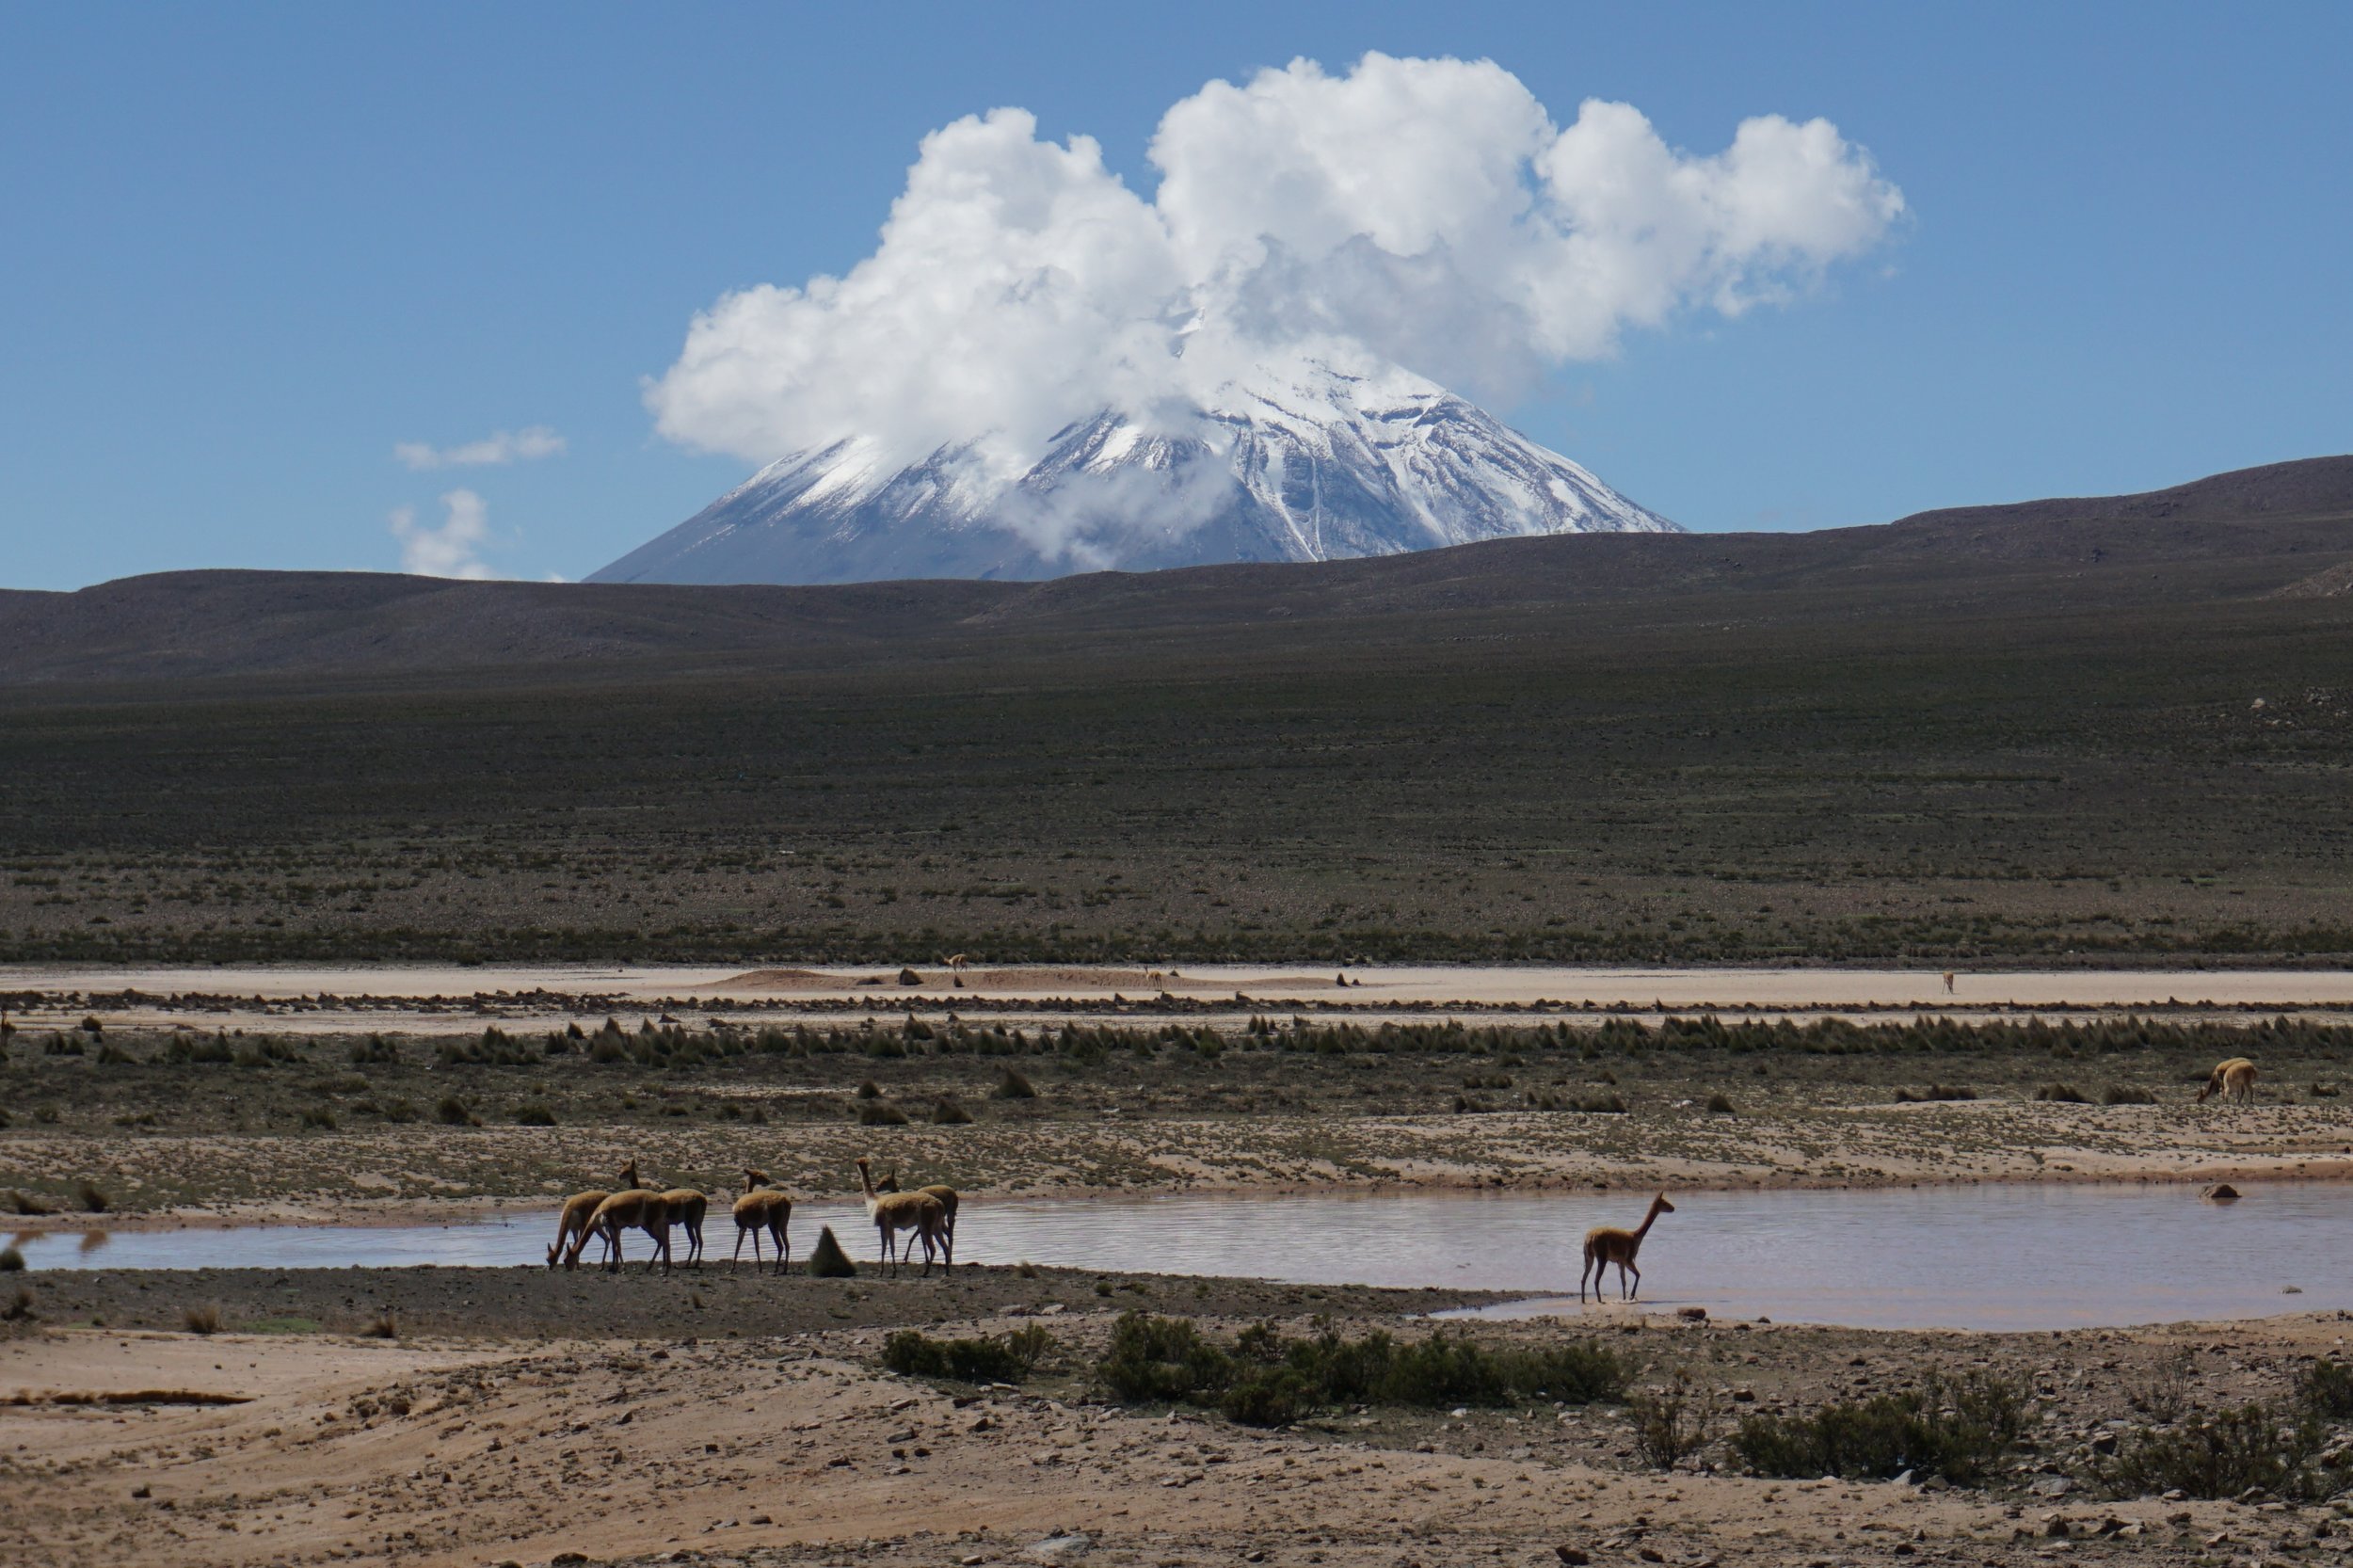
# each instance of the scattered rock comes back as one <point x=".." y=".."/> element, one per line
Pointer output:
<point x="1573" y="1557"/>
<point x="1060" y="1549"/>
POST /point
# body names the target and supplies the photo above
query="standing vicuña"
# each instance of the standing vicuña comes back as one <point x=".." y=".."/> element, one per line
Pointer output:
<point x="1608" y="1244"/>
<point x="950" y="1201"/>
<point x="761" y="1208"/>
<point x="2234" y="1080"/>
<point x="894" y="1212"/>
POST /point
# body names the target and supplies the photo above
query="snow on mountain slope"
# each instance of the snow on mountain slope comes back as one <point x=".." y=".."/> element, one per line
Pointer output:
<point x="1310" y="465"/>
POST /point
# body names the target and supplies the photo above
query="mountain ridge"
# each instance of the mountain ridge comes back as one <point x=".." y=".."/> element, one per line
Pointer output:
<point x="2250" y="533"/>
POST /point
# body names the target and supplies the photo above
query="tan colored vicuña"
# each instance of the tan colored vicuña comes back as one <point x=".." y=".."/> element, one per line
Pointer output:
<point x="894" y="1212"/>
<point x="2233" y="1080"/>
<point x="949" y="1200"/>
<point x="761" y="1208"/>
<point x="687" y="1205"/>
<point x="1607" y="1244"/>
<point x="636" y="1209"/>
<point x="578" y="1210"/>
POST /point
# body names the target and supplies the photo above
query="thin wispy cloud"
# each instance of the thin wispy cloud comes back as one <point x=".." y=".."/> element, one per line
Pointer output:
<point x="452" y="548"/>
<point x="497" y="448"/>
<point x="1428" y="213"/>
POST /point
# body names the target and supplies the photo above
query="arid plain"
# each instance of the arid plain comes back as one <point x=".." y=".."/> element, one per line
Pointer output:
<point x="1557" y="875"/>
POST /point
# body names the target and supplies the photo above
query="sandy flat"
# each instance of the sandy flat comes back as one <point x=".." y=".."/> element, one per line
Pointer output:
<point x="1686" y="989"/>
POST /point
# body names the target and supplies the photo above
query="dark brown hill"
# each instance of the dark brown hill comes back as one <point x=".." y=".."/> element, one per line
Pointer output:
<point x="2241" y="535"/>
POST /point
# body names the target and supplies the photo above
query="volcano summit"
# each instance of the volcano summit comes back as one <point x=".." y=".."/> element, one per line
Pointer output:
<point x="1312" y="464"/>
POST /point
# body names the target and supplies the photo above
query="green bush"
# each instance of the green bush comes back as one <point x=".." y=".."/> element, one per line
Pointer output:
<point x="2327" y="1390"/>
<point x="2222" y="1454"/>
<point x="995" y="1358"/>
<point x="1267" y="1380"/>
<point x="1957" y="1430"/>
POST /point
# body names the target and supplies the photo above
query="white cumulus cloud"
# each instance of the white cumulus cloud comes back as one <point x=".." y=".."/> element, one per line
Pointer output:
<point x="451" y="549"/>
<point x="499" y="447"/>
<point x="1429" y="213"/>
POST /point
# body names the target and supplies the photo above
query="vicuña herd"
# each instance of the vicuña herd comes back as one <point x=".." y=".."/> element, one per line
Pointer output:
<point x="928" y="1215"/>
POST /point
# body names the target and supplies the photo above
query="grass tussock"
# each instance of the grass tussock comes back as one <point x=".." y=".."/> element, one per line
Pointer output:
<point x="947" y="1112"/>
<point x="202" y="1319"/>
<point x="12" y="1261"/>
<point x="827" y="1261"/>
<point x="993" y="1358"/>
<point x="1267" y="1380"/>
<point x="26" y="1204"/>
<point x="382" y="1326"/>
<point x="534" y="1115"/>
<point x="454" y="1111"/>
<point x="91" y="1197"/>
<point x="20" y="1307"/>
<point x="318" y="1116"/>
<point x="880" y="1113"/>
<point x="1012" y="1086"/>
<point x="1933" y="1094"/>
<point x="1720" y="1105"/>
<point x="2224" y="1453"/>
<point x="2062" y="1092"/>
<point x="2126" y="1094"/>
<point x="1958" y="1429"/>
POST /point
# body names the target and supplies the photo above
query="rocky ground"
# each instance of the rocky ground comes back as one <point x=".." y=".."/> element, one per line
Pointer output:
<point x="761" y="1429"/>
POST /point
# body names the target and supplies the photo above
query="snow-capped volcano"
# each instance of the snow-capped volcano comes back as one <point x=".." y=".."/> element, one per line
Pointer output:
<point x="1312" y="464"/>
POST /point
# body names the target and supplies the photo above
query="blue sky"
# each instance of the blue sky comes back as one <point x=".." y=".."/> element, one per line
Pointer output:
<point x="247" y="253"/>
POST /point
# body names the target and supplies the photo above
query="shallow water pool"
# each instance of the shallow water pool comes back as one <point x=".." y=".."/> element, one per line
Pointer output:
<point x="1987" y="1256"/>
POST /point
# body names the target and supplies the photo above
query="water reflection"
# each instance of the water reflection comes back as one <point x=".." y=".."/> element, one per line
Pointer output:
<point x="92" y="1240"/>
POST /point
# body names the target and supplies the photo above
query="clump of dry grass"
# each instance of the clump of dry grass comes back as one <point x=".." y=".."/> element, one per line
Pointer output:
<point x="383" y="1327"/>
<point x="947" y="1112"/>
<point x="202" y="1319"/>
<point x="1015" y="1087"/>
<point x="92" y="1199"/>
<point x="827" y="1261"/>
<point x="2062" y="1092"/>
<point x="880" y="1113"/>
<point x="12" y="1261"/>
<point x="20" y="1307"/>
<point x="1720" y="1105"/>
<point x="25" y="1204"/>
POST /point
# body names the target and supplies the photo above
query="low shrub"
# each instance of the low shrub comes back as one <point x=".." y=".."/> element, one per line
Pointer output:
<point x="947" y="1112"/>
<point x="91" y="1197"/>
<point x="383" y="1327"/>
<point x="880" y="1113"/>
<point x="534" y="1115"/>
<point x="1720" y="1105"/>
<point x="993" y="1358"/>
<point x="319" y="1116"/>
<point x="2326" y="1389"/>
<point x="1267" y="1380"/>
<point x="453" y="1111"/>
<point x="202" y="1319"/>
<point x="2223" y="1454"/>
<point x="1600" y="1105"/>
<point x="375" y="1051"/>
<point x="20" y="1307"/>
<point x="1012" y="1086"/>
<point x="2062" y="1093"/>
<point x="26" y="1204"/>
<point x="1670" y="1424"/>
<point x="870" y="1090"/>
<point x="402" y="1111"/>
<point x="1957" y="1430"/>
<point x="1935" y="1093"/>
<point x="12" y="1261"/>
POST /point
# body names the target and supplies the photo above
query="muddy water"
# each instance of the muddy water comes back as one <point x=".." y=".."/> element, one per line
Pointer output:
<point x="1993" y="1257"/>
